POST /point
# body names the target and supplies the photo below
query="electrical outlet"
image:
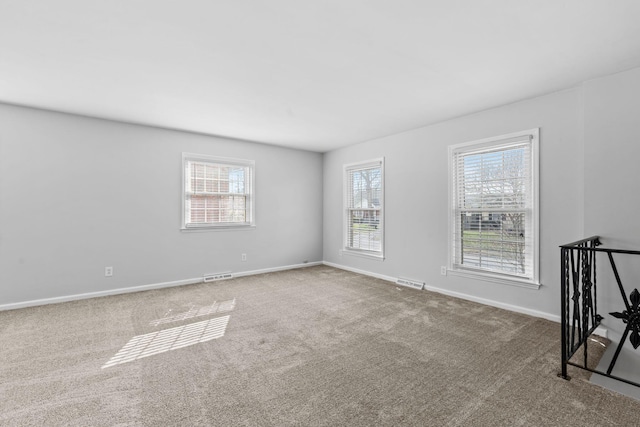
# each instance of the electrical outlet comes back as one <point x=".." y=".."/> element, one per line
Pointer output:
<point x="443" y="270"/>
<point x="244" y="257"/>
<point x="108" y="271"/>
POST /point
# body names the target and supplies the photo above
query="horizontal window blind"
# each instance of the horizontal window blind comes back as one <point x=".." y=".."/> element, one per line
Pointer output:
<point x="493" y="208"/>
<point x="217" y="193"/>
<point x="364" y="207"/>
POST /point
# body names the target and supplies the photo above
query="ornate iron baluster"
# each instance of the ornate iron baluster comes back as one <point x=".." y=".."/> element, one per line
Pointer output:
<point x="596" y="317"/>
<point x="579" y="284"/>
<point x="630" y="316"/>
<point x="587" y="306"/>
<point x="575" y="297"/>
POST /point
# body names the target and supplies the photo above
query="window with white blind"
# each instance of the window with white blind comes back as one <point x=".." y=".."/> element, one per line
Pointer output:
<point x="494" y="208"/>
<point x="217" y="192"/>
<point x="364" y="208"/>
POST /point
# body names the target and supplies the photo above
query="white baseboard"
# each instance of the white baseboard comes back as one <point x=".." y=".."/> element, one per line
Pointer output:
<point x="497" y="304"/>
<point x="74" y="297"/>
<point x="492" y="303"/>
<point x="274" y="269"/>
<point x="66" y="298"/>
<point x="364" y="272"/>
<point x="518" y="309"/>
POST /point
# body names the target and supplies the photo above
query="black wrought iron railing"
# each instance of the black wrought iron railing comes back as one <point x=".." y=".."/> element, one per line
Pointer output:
<point x="579" y="301"/>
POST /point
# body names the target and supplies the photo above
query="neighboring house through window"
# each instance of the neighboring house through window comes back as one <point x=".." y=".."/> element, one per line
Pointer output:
<point x="217" y="192"/>
<point x="494" y="208"/>
<point x="364" y="208"/>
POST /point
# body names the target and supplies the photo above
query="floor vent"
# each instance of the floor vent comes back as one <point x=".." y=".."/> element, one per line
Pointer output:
<point x="217" y="276"/>
<point x="410" y="283"/>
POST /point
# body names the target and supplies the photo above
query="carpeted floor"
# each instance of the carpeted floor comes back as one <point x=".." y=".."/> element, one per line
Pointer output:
<point x="313" y="346"/>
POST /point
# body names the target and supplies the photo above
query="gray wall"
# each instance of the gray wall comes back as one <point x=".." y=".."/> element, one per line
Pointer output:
<point x="416" y="196"/>
<point x="612" y="158"/>
<point x="589" y="184"/>
<point x="612" y="181"/>
<point x="78" y="194"/>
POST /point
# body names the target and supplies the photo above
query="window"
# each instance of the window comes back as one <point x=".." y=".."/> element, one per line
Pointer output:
<point x="218" y="192"/>
<point x="494" y="208"/>
<point x="364" y="208"/>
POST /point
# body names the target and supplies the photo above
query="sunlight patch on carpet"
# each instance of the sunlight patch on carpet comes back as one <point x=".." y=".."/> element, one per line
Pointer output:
<point x="169" y="339"/>
<point x="194" y="311"/>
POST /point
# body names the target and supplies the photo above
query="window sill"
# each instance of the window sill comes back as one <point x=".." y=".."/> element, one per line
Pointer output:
<point x="361" y="254"/>
<point x="217" y="228"/>
<point x="495" y="278"/>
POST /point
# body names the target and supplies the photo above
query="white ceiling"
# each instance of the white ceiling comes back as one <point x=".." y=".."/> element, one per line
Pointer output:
<point x="314" y="75"/>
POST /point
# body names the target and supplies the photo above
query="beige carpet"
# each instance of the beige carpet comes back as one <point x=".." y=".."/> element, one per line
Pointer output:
<point x="313" y="346"/>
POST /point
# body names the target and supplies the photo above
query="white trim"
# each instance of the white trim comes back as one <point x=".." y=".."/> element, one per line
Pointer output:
<point x="514" y="137"/>
<point x="251" y="164"/>
<point x="554" y="318"/>
<point x="274" y="269"/>
<point x="494" y="278"/>
<point x="218" y="228"/>
<point x="490" y="141"/>
<point x="87" y="295"/>
<point x="371" y="163"/>
<point x="356" y="166"/>
<point x="119" y="291"/>
<point x="224" y="160"/>
<point x="363" y="254"/>
<point x="497" y="304"/>
<point x="484" y="301"/>
<point x="363" y="272"/>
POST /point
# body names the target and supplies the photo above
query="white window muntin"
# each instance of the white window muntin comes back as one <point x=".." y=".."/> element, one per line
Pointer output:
<point x="364" y="225"/>
<point x="239" y="192"/>
<point x="491" y="210"/>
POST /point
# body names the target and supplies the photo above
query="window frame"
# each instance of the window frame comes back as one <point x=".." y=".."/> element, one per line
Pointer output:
<point x="377" y="255"/>
<point x="249" y="192"/>
<point x="486" y="145"/>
